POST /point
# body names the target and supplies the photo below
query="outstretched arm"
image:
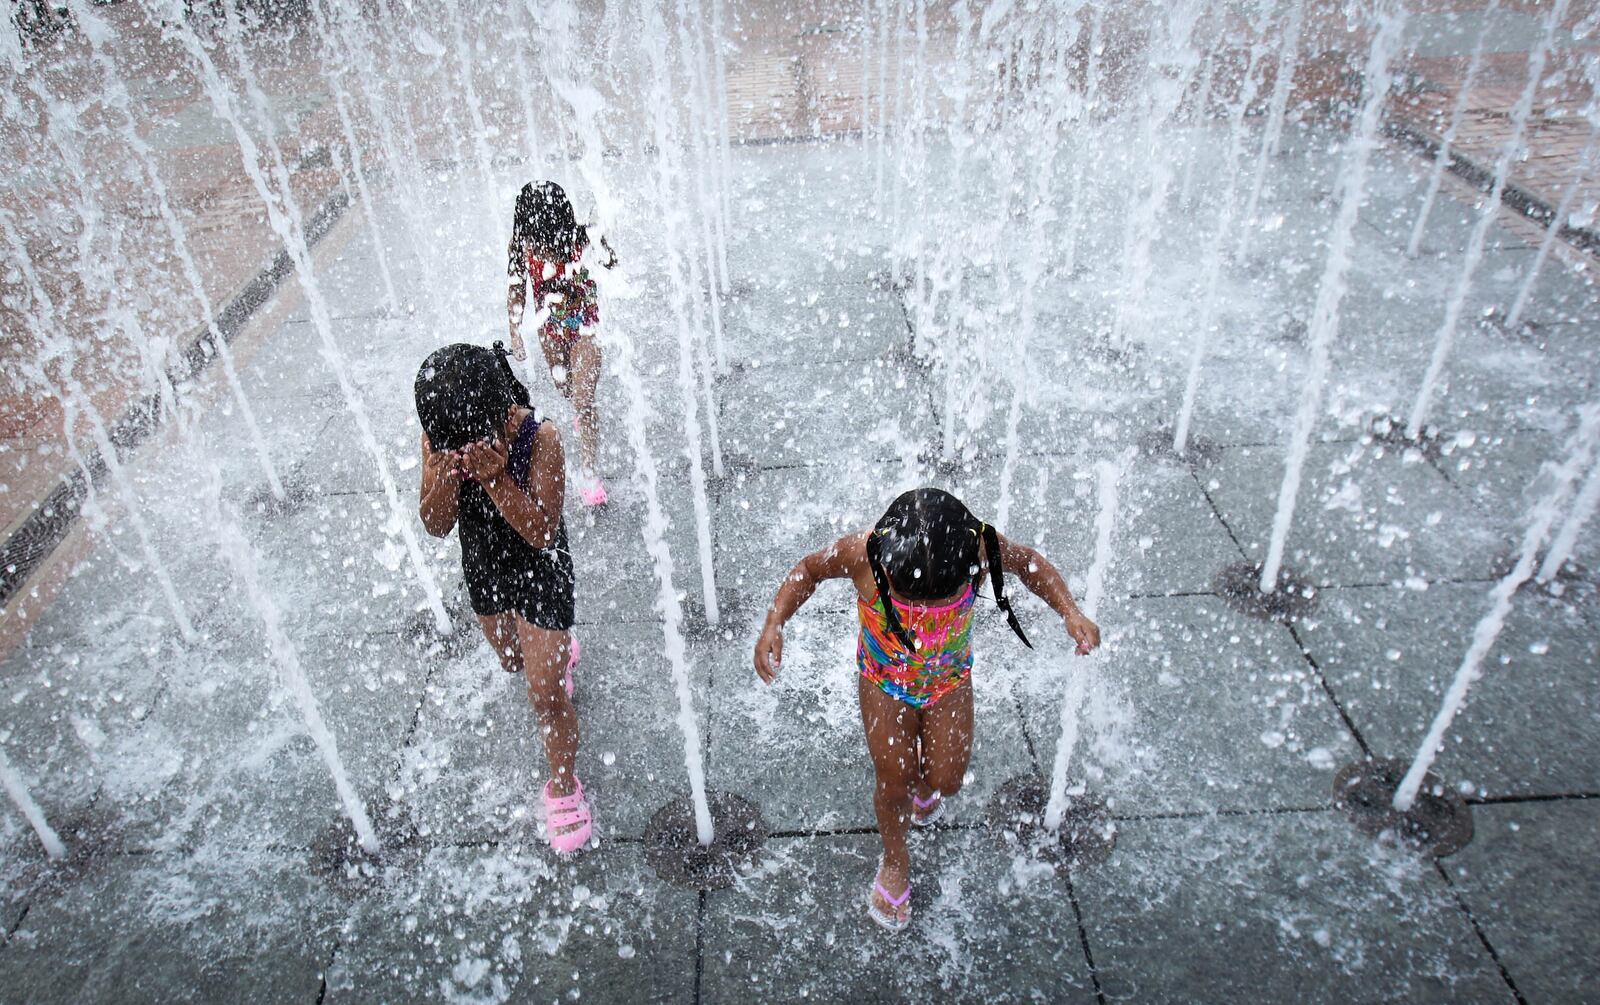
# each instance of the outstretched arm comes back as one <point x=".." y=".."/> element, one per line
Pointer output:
<point x="840" y="560"/>
<point x="516" y="298"/>
<point x="1040" y="577"/>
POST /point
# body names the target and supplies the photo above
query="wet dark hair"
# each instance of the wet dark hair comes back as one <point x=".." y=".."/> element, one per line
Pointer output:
<point x="926" y="545"/>
<point x="463" y="393"/>
<point x="544" y="218"/>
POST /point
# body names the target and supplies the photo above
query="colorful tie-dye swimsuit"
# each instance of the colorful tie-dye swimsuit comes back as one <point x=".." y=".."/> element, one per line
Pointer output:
<point x="941" y="664"/>
<point x="569" y="292"/>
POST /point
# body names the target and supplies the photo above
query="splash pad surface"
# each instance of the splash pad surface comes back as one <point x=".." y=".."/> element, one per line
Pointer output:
<point x="194" y="804"/>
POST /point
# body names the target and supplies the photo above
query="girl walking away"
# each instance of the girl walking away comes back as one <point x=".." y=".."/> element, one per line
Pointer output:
<point x="545" y="265"/>
<point x="917" y="573"/>
<point x="493" y="468"/>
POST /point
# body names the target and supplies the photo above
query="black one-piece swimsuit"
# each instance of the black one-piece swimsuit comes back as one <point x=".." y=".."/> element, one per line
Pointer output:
<point x="503" y="571"/>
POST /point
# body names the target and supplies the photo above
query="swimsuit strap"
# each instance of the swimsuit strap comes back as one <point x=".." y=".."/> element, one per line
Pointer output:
<point x="519" y="460"/>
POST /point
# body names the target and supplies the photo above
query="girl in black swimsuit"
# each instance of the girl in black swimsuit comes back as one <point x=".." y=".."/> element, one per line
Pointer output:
<point x="493" y="468"/>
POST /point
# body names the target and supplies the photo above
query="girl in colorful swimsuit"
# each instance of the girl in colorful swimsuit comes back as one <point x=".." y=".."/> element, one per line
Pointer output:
<point x="917" y="573"/>
<point x="545" y="264"/>
<point x="494" y="471"/>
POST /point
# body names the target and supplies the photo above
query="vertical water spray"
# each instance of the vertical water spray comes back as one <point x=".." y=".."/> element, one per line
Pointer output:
<point x="17" y="789"/>
<point x="519" y="64"/>
<point x="1107" y="474"/>
<point x="115" y="90"/>
<point x="1169" y="70"/>
<point x="655" y="523"/>
<point x="1509" y="152"/>
<point x="1202" y="114"/>
<point x="1553" y="230"/>
<point x="704" y="170"/>
<point x="44" y="322"/>
<point x="883" y="107"/>
<point x="283" y="214"/>
<point x="723" y="143"/>
<point x="1212" y="280"/>
<point x="346" y="37"/>
<point x="1277" y="108"/>
<point x="333" y="72"/>
<point x="1581" y="452"/>
<point x="1067" y="108"/>
<point x="480" y="145"/>
<point x="1351" y="187"/>
<point x="1583" y="508"/>
<point x="245" y="564"/>
<point x="1458" y="110"/>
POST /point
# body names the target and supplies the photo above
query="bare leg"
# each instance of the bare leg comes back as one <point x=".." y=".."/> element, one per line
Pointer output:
<point x="586" y="359"/>
<point x="557" y="354"/>
<point x="946" y="741"/>
<point x="891" y="739"/>
<point x="544" y="658"/>
<point x="501" y="631"/>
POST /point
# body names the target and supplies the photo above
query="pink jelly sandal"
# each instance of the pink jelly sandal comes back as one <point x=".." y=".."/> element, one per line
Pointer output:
<point x="927" y="819"/>
<point x="901" y="906"/>
<point x="571" y="812"/>
<point x="574" y="650"/>
<point x="593" y="493"/>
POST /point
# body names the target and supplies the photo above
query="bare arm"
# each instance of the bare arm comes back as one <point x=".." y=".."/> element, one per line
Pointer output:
<point x="439" y="500"/>
<point x="1042" y="579"/>
<point x="516" y="298"/>
<point x="842" y="559"/>
<point x="536" y="513"/>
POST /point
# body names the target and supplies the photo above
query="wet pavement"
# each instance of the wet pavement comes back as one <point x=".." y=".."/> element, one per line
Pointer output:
<point x="201" y="817"/>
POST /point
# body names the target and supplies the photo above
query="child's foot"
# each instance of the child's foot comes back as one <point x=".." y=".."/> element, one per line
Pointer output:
<point x="891" y="910"/>
<point x="926" y="812"/>
<point x="567" y="819"/>
<point x="593" y="492"/>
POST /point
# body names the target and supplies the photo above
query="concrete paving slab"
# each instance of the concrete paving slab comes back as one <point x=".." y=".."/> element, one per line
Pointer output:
<point x="226" y="757"/>
<point x="769" y="413"/>
<point x="473" y="768"/>
<point x="795" y="321"/>
<point x="981" y="928"/>
<point x="1151" y="735"/>
<point x="1327" y="916"/>
<point x="177" y="929"/>
<point x="515" y="922"/>
<point x="1525" y="877"/>
<point x="1366" y="513"/>
<point x="1389" y="656"/>
<point x="334" y="568"/>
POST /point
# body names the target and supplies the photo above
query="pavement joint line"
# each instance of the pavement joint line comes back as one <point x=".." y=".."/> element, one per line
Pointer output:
<point x="333" y="954"/>
<point x="1217" y="511"/>
<point x="1327" y="689"/>
<point x="37" y="536"/>
<point x="1461" y="902"/>
<point x="1538" y="797"/>
<point x="1083" y="937"/>
<point x="700" y="942"/>
<point x="1513" y="195"/>
<point x="16" y="926"/>
<point x="1265" y="811"/>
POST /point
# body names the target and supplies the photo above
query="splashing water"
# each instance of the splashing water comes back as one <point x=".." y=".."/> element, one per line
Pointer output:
<point x="1107" y="474"/>
<point x="1330" y="292"/>
<point x="1558" y="219"/>
<point x="1581" y="452"/>
<point x="1458" y="110"/>
<point x="283" y="213"/>
<point x="24" y="801"/>
<point x="1480" y="231"/>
